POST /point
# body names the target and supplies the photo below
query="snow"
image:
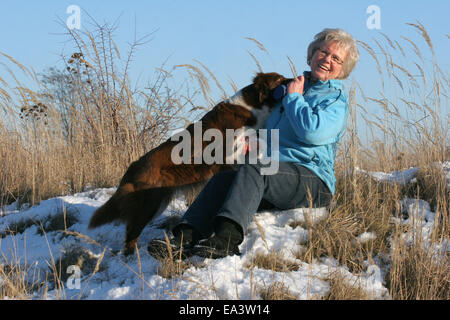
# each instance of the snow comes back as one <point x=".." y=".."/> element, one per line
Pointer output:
<point x="401" y="177"/>
<point x="446" y="168"/>
<point x="366" y="236"/>
<point x="138" y="277"/>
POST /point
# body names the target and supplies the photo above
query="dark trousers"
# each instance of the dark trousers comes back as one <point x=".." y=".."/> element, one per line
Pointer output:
<point x="237" y="195"/>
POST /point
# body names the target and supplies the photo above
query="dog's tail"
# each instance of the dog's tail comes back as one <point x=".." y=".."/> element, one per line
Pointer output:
<point x="107" y="213"/>
<point x="112" y="210"/>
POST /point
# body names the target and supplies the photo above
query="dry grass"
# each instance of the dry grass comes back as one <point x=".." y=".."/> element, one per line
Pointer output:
<point x="171" y="267"/>
<point x="398" y="143"/>
<point x="16" y="282"/>
<point x="63" y="136"/>
<point x="276" y="291"/>
<point x="418" y="274"/>
<point x="273" y="261"/>
<point x="340" y="289"/>
<point x="368" y="211"/>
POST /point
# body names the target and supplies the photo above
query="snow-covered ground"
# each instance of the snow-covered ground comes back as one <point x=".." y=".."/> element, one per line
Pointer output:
<point x="137" y="276"/>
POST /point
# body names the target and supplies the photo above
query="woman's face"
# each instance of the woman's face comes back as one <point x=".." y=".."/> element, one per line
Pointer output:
<point x="326" y="62"/>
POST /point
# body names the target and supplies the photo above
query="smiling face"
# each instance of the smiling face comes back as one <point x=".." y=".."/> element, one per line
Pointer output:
<point x="326" y="62"/>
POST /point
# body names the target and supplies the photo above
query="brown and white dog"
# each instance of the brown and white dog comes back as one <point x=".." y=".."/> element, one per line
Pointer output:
<point x="150" y="183"/>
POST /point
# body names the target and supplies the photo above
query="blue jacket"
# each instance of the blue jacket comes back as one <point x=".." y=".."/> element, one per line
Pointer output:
<point x="310" y="127"/>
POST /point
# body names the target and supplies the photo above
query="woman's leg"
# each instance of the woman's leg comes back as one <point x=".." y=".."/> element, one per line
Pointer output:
<point x="203" y="210"/>
<point x="291" y="187"/>
<point x="197" y="222"/>
<point x="229" y="201"/>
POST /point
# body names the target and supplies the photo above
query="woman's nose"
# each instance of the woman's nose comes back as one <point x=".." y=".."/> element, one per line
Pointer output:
<point x="327" y="58"/>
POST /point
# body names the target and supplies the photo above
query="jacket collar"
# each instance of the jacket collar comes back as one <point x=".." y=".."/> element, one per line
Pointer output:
<point x="335" y="83"/>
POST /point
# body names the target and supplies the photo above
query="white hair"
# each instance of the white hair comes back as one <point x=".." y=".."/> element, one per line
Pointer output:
<point x="345" y="40"/>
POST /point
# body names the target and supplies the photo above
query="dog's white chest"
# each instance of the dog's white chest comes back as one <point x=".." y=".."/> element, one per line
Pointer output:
<point x="261" y="114"/>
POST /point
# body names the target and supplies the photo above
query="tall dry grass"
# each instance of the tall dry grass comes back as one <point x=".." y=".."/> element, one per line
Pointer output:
<point x="82" y="125"/>
<point x="64" y="136"/>
<point x="409" y="128"/>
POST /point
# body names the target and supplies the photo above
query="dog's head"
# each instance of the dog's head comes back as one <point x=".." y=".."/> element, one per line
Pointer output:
<point x="261" y="91"/>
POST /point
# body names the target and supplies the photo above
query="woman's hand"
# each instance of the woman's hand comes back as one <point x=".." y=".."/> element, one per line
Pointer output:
<point x="296" y="85"/>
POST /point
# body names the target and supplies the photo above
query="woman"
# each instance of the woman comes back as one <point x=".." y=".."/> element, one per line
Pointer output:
<point x="311" y="119"/>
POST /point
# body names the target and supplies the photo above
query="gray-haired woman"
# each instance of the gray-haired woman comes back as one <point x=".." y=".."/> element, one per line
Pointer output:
<point x="311" y="119"/>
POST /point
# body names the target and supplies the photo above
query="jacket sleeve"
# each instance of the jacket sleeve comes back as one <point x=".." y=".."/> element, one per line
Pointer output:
<point x="320" y="124"/>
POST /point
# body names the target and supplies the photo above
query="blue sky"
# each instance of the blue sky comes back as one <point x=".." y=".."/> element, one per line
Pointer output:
<point x="214" y="32"/>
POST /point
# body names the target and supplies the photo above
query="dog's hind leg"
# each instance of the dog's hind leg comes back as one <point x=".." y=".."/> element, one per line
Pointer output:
<point x="148" y="205"/>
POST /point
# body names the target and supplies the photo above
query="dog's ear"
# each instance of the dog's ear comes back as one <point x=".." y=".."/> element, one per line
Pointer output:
<point x="264" y="84"/>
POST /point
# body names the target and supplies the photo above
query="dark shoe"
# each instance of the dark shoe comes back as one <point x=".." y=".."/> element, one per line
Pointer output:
<point x="178" y="247"/>
<point x="161" y="249"/>
<point x="225" y="242"/>
<point x="215" y="248"/>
